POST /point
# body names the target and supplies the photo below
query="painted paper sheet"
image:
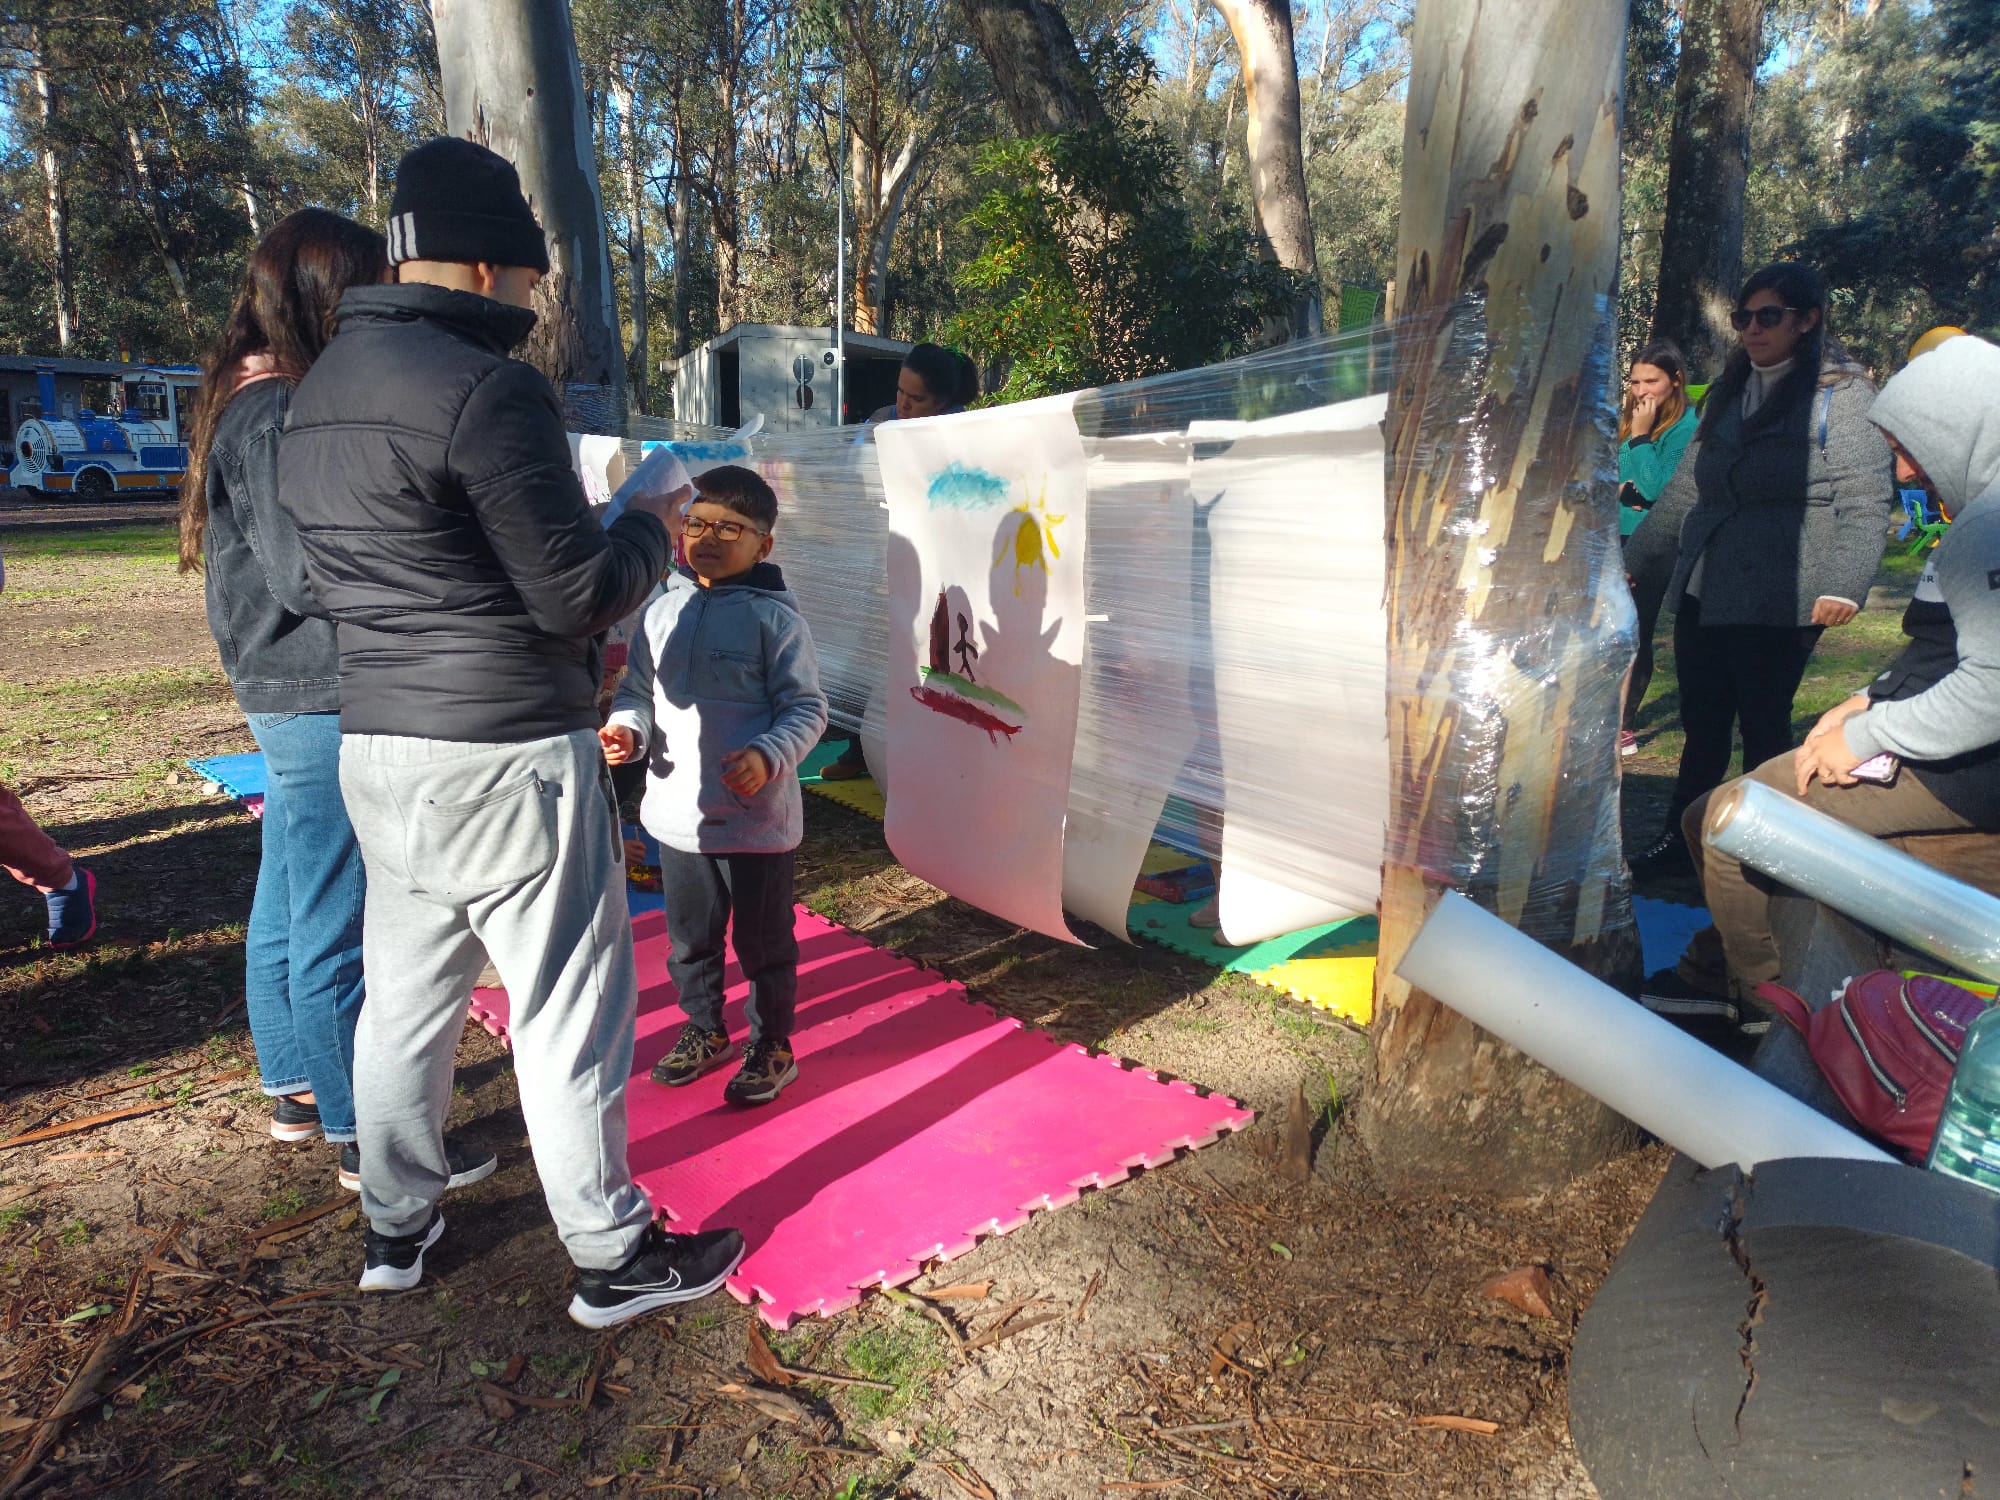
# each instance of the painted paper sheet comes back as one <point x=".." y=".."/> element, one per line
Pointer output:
<point x="985" y="568"/>
<point x="1135" y="723"/>
<point x="1300" y="637"/>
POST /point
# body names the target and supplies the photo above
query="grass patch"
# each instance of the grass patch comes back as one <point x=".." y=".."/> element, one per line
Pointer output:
<point x="151" y="541"/>
<point x="903" y="1351"/>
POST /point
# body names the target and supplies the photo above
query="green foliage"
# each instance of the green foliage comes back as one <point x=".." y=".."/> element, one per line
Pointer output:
<point x="1093" y="269"/>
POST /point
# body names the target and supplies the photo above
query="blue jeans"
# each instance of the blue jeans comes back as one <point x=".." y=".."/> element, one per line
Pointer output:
<point x="302" y="959"/>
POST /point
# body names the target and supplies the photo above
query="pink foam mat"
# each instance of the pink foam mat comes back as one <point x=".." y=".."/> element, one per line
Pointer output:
<point x="920" y="1123"/>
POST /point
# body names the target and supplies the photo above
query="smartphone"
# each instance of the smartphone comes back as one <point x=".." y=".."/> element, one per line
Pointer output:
<point x="1880" y="769"/>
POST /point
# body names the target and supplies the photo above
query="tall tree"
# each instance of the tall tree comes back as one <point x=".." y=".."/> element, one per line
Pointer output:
<point x="512" y="82"/>
<point x="1502" y="689"/>
<point x="1043" y="84"/>
<point x="1708" y="164"/>
<point x="62" y="270"/>
<point x="1264" y="45"/>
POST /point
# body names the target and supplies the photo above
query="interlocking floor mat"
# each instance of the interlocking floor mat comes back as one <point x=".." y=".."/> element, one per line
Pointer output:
<point x="920" y="1123"/>
<point x="241" y="776"/>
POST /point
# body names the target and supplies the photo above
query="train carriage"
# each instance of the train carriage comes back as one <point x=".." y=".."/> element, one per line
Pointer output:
<point x="143" y="447"/>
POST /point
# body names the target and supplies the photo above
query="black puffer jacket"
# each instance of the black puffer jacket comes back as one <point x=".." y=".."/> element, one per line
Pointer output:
<point x="447" y="534"/>
<point x="278" y="659"/>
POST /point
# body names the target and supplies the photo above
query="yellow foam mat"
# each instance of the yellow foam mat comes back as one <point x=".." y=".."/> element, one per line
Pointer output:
<point x="860" y="794"/>
<point x="1343" y="983"/>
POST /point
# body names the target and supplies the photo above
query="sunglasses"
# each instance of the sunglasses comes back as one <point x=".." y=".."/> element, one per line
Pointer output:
<point x="1763" y="317"/>
<point x="694" y="528"/>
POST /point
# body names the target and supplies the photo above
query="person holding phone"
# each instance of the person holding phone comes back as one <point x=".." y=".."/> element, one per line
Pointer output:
<point x="1915" y="755"/>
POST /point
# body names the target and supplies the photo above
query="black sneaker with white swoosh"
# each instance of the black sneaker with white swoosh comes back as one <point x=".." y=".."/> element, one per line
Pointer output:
<point x="665" y="1269"/>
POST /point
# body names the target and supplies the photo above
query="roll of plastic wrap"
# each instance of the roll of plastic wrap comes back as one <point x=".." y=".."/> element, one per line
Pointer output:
<point x="1863" y="877"/>
<point x="1683" y="1091"/>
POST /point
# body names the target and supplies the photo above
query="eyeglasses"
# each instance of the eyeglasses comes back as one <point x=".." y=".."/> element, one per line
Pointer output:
<point x="1763" y="317"/>
<point x="694" y="528"/>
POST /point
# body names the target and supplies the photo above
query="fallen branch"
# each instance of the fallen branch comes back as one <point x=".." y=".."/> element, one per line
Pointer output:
<point x="88" y="1122"/>
<point x="139" y="1083"/>
<point x="1088" y="1292"/>
<point x="382" y="1442"/>
<point x="303" y="1217"/>
<point x="996" y="1333"/>
<point x="1477" y="1425"/>
<point x="934" y="1313"/>
<point x="854" y="1380"/>
<point x="540" y="1403"/>
<point x="969" y="1481"/>
<point x="512" y="1458"/>
<point x="81" y="1392"/>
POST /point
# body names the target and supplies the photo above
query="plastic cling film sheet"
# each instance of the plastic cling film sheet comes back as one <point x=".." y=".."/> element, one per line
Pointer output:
<point x="1235" y="675"/>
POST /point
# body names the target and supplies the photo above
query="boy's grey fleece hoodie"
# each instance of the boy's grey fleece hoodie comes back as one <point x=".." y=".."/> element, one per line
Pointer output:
<point x="714" y="670"/>
<point x="1944" y="410"/>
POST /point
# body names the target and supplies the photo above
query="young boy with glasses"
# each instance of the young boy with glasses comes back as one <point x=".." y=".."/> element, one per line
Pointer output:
<point x="722" y="700"/>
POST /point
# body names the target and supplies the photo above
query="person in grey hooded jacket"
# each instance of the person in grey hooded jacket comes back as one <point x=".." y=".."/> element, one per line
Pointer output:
<point x="722" y="700"/>
<point x="1936" y="708"/>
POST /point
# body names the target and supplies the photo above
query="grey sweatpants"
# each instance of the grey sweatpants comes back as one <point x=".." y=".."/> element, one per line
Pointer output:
<point x="509" y="851"/>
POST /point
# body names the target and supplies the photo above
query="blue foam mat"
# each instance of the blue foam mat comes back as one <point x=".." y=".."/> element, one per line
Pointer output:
<point x="239" y="775"/>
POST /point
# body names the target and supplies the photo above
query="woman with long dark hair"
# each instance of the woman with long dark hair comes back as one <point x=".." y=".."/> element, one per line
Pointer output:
<point x="1654" y="427"/>
<point x="302" y="958"/>
<point x="1787" y="489"/>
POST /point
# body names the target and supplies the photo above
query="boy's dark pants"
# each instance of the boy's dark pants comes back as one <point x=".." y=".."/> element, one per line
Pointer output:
<point x="700" y="892"/>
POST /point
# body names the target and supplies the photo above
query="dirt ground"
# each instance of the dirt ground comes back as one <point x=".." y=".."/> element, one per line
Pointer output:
<point x="1202" y="1329"/>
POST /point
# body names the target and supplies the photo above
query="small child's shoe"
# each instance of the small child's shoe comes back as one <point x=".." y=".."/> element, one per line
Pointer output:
<point x="767" y="1067"/>
<point x="73" y="913"/>
<point x="694" y="1054"/>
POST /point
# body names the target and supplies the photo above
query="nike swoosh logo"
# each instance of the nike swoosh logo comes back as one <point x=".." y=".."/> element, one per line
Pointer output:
<point x="671" y="1284"/>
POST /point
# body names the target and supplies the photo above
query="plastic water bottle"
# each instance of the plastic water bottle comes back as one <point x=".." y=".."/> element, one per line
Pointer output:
<point x="1967" y="1143"/>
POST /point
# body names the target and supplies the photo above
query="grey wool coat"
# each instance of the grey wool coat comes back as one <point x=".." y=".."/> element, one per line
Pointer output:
<point x="1790" y="505"/>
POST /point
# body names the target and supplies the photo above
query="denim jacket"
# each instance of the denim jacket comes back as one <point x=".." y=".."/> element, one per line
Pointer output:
<point x="276" y="645"/>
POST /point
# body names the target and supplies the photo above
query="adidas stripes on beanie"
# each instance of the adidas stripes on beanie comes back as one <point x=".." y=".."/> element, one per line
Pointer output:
<point x="458" y="201"/>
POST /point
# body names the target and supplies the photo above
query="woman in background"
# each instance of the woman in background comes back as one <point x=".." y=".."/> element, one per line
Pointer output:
<point x="1653" y="432"/>
<point x="1786" y="490"/>
<point x="933" y="382"/>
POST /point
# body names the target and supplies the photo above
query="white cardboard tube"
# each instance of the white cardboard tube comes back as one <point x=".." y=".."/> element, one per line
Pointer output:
<point x="1851" y="872"/>
<point x="1687" y="1094"/>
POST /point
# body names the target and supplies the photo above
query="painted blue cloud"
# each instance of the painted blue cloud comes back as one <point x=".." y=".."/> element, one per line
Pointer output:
<point x="959" y="486"/>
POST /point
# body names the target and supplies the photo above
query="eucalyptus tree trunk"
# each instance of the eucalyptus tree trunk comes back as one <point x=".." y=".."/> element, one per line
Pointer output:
<point x="1509" y="626"/>
<point x="1043" y="84"/>
<point x="629" y="143"/>
<point x="61" y="260"/>
<point x="512" y="82"/>
<point x="1263" y="32"/>
<point x="1708" y="166"/>
<point x="882" y="186"/>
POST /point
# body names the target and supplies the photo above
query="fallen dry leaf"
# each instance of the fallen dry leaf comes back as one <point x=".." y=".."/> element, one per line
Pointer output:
<point x="763" y="1363"/>
<point x="964" y="1291"/>
<point x="1460" y="1424"/>
<point x="1525" y="1287"/>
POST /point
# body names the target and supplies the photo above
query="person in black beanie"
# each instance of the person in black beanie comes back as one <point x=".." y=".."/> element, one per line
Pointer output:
<point x="447" y="536"/>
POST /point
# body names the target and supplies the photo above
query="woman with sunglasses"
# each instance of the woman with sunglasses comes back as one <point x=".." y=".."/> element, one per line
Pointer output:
<point x="1786" y="488"/>
<point x="1653" y="432"/>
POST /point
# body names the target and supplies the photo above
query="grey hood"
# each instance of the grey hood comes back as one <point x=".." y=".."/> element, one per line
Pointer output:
<point x="1944" y="408"/>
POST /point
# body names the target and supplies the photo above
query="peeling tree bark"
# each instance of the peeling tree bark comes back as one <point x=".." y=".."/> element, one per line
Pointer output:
<point x="1506" y="608"/>
<point x="1708" y="166"/>
<point x="512" y="82"/>
<point x="1040" y="75"/>
<point x="1263" y="32"/>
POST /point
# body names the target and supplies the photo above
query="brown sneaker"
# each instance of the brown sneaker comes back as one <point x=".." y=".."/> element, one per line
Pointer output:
<point x="695" y="1053"/>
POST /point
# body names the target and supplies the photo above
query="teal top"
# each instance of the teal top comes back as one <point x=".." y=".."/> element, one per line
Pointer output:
<point x="1648" y="463"/>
